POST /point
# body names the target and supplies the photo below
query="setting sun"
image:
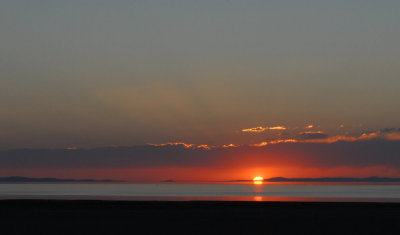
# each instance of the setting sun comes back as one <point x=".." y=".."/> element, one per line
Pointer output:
<point x="258" y="180"/>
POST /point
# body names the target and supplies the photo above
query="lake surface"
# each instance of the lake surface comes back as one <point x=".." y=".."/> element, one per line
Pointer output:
<point x="218" y="192"/>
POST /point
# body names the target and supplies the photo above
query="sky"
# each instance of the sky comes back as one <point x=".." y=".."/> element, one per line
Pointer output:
<point x="95" y="74"/>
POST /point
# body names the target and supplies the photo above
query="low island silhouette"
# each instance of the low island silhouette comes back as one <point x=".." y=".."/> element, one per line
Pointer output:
<point x="327" y="179"/>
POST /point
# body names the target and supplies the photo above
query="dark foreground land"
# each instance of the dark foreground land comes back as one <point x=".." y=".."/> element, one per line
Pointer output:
<point x="134" y="217"/>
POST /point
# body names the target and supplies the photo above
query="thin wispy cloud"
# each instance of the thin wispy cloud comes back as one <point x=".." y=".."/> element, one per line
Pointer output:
<point x="302" y="137"/>
<point x="174" y="144"/>
<point x="277" y="128"/>
<point x="262" y="129"/>
<point x="185" y="145"/>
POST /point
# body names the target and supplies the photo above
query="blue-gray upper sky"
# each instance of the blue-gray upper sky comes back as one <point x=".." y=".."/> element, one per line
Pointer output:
<point x="99" y="73"/>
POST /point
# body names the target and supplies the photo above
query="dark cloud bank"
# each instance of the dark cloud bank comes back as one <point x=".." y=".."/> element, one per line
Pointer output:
<point x="375" y="152"/>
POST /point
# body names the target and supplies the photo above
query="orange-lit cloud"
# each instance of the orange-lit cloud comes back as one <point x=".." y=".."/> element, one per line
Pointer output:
<point x="260" y="144"/>
<point x="262" y="129"/>
<point x="174" y="144"/>
<point x="332" y="139"/>
<point x="283" y="141"/>
<point x="204" y="146"/>
<point x="305" y="137"/>
<point x="265" y="143"/>
<point x="337" y="138"/>
<point x="277" y="128"/>
<point x="230" y="146"/>
<point x="309" y="126"/>
<point x="255" y="129"/>
<point x="185" y="145"/>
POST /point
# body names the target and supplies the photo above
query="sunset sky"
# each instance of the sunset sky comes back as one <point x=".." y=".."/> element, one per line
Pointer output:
<point x="199" y="90"/>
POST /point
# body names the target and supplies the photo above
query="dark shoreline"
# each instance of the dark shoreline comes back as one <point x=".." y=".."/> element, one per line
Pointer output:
<point x="197" y="217"/>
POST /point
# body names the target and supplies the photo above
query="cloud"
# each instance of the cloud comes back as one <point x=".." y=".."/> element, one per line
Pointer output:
<point x="337" y="138"/>
<point x="367" y="150"/>
<point x="313" y="135"/>
<point x="262" y="129"/>
<point x="362" y="152"/>
<point x="262" y="144"/>
<point x="174" y="144"/>
<point x="322" y="137"/>
<point x="204" y="146"/>
<point x="230" y="146"/>
<point x="302" y="137"/>
<point x="277" y="128"/>
<point x="309" y="126"/>
<point x="185" y="145"/>
<point x="390" y="130"/>
<point x="255" y="129"/>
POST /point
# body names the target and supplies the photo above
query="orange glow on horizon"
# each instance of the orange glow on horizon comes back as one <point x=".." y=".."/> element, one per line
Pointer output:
<point x="202" y="175"/>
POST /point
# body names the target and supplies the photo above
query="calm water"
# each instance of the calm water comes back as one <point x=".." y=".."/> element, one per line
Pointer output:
<point x="247" y="192"/>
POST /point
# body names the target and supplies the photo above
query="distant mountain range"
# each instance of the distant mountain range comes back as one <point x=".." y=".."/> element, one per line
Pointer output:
<point x="327" y="179"/>
<point x="20" y="179"/>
